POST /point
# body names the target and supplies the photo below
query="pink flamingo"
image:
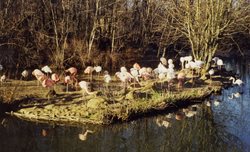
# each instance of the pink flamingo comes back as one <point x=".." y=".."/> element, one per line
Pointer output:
<point x="89" y="70"/>
<point x="73" y="73"/>
<point x="48" y="83"/>
<point x="55" y="78"/>
<point x="40" y="76"/>
<point x="137" y="66"/>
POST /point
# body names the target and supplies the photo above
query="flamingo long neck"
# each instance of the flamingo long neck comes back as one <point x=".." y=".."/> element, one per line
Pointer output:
<point x="233" y="80"/>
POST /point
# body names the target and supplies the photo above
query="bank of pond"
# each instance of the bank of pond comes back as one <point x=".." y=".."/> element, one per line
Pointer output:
<point x="107" y="105"/>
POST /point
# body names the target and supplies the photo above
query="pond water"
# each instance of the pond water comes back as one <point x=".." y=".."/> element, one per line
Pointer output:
<point x="223" y="126"/>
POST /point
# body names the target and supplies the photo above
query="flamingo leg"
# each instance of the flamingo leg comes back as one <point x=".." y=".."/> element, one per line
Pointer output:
<point x="67" y="88"/>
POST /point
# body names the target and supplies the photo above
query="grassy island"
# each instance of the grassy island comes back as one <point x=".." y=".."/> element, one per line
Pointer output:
<point x="100" y="107"/>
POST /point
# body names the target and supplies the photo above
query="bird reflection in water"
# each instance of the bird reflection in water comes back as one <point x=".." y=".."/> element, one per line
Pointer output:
<point x="44" y="132"/>
<point x="83" y="136"/>
<point x="234" y="95"/>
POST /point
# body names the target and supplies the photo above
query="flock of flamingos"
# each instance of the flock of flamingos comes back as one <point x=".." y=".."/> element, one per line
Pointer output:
<point x="164" y="72"/>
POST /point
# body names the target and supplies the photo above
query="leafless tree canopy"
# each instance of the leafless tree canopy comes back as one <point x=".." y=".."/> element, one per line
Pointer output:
<point x="109" y="32"/>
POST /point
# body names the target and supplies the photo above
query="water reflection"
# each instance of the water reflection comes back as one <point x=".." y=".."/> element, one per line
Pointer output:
<point x="203" y="127"/>
<point x="196" y="133"/>
<point x="234" y="111"/>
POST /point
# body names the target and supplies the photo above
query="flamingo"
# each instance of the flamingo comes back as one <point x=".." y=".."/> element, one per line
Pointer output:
<point x="124" y="76"/>
<point x="161" y="68"/>
<point x="170" y="61"/>
<point x="234" y="95"/>
<point x="83" y="136"/>
<point x="1" y="67"/>
<point x="163" y="123"/>
<point x="143" y="73"/>
<point x="55" y="78"/>
<point x="135" y="74"/>
<point x="84" y="85"/>
<point x="25" y="74"/>
<point x="107" y="78"/>
<point x="208" y="104"/>
<point x="73" y="72"/>
<point x="67" y="80"/>
<point x="189" y="58"/>
<point x="123" y="69"/>
<point x="3" y="78"/>
<point x="170" y="77"/>
<point x="148" y="73"/>
<point x="199" y="65"/>
<point x="237" y="81"/>
<point x="163" y="61"/>
<point x="46" y="69"/>
<point x="219" y="63"/>
<point x="98" y="69"/>
<point x="215" y="59"/>
<point x="191" y="65"/>
<point x="211" y="72"/>
<point x="216" y="103"/>
<point x="181" y="78"/>
<point x="137" y="66"/>
<point x="40" y="76"/>
<point x="182" y="59"/>
<point x="162" y="76"/>
<point x="89" y="70"/>
<point x="48" y="83"/>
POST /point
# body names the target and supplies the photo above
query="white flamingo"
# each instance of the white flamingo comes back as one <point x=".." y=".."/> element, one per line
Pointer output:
<point x="3" y="79"/>
<point x="234" y="95"/>
<point x="135" y="74"/>
<point x="46" y="69"/>
<point x="161" y="68"/>
<point x="163" y="61"/>
<point x="170" y="77"/>
<point x="216" y="103"/>
<point x="199" y="65"/>
<point x="182" y="59"/>
<point x="98" y="70"/>
<point x="211" y="72"/>
<point x="107" y="78"/>
<point x="124" y="76"/>
<point x="236" y="81"/>
<point x="25" y="74"/>
<point x="84" y="85"/>
<point x="219" y="63"/>
<point x="170" y="61"/>
<point x="162" y="76"/>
